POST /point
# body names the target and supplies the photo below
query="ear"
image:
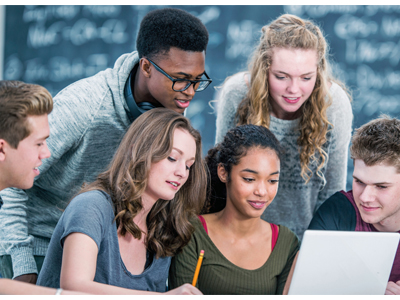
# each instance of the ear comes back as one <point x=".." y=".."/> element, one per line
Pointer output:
<point x="3" y="149"/>
<point x="144" y="66"/>
<point x="222" y="174"/>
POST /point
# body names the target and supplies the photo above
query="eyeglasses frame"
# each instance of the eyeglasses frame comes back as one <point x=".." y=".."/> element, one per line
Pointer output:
<point x="209" y="80"/>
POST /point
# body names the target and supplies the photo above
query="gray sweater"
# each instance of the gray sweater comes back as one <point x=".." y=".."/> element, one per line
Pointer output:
<point x="296" y="202"/>
<point x="87" y="124"/>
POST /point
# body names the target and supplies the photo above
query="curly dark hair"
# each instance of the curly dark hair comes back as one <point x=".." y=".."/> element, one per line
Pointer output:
<point x="234" y="146"/>
<point x="164" y="28"/>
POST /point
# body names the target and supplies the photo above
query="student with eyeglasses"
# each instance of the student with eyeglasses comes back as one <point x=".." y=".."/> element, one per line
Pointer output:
<point x="88" y="122"/>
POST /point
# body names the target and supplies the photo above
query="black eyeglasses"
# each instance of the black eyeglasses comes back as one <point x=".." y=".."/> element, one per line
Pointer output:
<point x="180" y="85"/>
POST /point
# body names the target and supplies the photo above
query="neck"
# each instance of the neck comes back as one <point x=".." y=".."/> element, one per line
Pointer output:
<point x="140" y="218"/>
<point x="388" y="225"/>
<point x="234" y="222"/>
<point x="139" y="88"/>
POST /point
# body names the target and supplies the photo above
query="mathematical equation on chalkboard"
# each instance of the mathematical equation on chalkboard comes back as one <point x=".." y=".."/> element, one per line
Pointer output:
<point x="57" y="45"/>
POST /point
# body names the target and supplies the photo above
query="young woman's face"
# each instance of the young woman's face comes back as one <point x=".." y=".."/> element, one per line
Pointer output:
<point x="167" y="176"/>
<point x="254" y="182"/>
<point x="291" y="80"/>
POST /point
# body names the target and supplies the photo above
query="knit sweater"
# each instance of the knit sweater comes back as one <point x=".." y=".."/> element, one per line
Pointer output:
<point x="88" y="121"/>
<point x="219" y="276"/>
<point x="296" y="202"/>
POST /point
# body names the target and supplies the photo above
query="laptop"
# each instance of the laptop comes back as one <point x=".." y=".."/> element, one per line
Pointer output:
<point x="344" y="263"/>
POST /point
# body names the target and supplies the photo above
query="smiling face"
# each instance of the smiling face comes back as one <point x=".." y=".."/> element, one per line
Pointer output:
<point x="376" y="191"/>
<point x="168" y="175"/>
<point x="291" y="79"/>
<point x="21" y="164"/>
<point x="179" y="64"/>
<point x="253" y="182"/>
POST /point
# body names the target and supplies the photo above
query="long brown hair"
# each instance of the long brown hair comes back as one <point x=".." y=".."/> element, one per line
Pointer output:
<point x="148" y="140"/>
<point x="291" y="32"/>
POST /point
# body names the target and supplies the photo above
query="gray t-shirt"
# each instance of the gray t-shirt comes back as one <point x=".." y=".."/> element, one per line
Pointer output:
<point x="91" y="213"/>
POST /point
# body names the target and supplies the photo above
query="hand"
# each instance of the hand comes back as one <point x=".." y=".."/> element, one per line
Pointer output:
<point x="29" y="278"/>
<point x="186" y="289"/>
<point x="393" y="288"/>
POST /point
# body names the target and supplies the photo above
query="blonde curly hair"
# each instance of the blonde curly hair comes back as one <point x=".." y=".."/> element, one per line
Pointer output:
<point x="291" y="32"/>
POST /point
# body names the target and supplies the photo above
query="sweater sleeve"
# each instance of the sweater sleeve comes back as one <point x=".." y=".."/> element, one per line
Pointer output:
<point x="336" y="213"/>
<point x="229" y="97"/>
<point x="67" y="122"/>
<point x="341" y="116"/>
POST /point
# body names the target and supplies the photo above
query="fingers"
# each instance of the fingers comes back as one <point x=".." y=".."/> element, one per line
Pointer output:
<point x="393" y="288"/>
<point x="186" y="289"/>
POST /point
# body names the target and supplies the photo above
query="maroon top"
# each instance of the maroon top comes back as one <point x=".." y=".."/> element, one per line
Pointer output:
<point x="274" y="228"/>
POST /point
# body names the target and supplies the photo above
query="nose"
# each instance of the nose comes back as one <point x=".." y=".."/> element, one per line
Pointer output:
<point x="181" y="170"/>
<point x="44" y="152"/>
<point x="190" y="90"/>
<point x="260" y="190"/>
<point x="367" y="195"/>
<point x="293" y="86"/>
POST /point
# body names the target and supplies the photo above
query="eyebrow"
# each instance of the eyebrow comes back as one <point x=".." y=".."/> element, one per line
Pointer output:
<point x="255" y="172"/>
<point x="43" y="138"/>
<point x="375" y="183"/>
<point x="189" y="75"/>
<point x="181" y="153"/>
<point x="308" y="73"/>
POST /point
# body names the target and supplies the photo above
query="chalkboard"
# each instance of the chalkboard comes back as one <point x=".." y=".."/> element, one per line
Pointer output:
<point x="57" y="45"/>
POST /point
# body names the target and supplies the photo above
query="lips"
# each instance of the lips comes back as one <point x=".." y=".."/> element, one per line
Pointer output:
<point x="257" y="204"/>
<point x="369" y="208"/>
<point x="291" y="100"/>
<point x="36" y="171"/>
<point x="174" y="184"/>
<point x="182" y="103"/>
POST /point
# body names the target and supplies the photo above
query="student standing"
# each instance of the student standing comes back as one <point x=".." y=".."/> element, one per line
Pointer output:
<point x="89" y="120"/>
<point x="290" y="90"/>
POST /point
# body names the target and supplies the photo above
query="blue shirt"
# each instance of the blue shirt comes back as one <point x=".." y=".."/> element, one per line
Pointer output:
<point x="92" y="213"/>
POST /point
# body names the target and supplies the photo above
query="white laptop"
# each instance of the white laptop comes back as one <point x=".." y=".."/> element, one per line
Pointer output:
<point x="344" y="263"/>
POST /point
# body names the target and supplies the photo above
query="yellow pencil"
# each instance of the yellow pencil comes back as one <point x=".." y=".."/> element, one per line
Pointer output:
<point x="196" y="273"/>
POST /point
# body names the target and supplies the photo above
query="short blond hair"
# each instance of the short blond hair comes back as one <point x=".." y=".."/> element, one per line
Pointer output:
<point x="18" y="100"/>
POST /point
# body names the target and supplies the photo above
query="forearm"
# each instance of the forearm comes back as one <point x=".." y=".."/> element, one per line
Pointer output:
<point x="96" y="288"/>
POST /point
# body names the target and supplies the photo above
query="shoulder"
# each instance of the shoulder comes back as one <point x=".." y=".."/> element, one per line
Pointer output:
<point x="92" y="202"/>
<point x="340" y="101"/>
<point x="336" y="213"/>
<point x="235" y="85"/>
<point x="287" y="241"/>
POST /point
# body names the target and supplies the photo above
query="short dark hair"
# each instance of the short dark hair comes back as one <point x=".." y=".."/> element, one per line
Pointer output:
<point x="235" y="145"/>
<point x="378" y="141"/>
<point x="18" y="101"/>
<point x="162" y="29"/>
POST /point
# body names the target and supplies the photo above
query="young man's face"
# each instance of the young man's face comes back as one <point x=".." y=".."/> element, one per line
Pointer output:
<point x="376" y="191"/>
<point x="178" y="64"/>
<point x="21" y="164"/>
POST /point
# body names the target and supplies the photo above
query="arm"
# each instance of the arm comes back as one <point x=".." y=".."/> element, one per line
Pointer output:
<point x="229" y="97"/>
<point x="336" y="213"/>
<point x="12" y="287"/>
<point x="79" y="267"/>
<point x="290" y="276"/>
<point x="341" y="116"/>
<point x="289" y="267"/>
